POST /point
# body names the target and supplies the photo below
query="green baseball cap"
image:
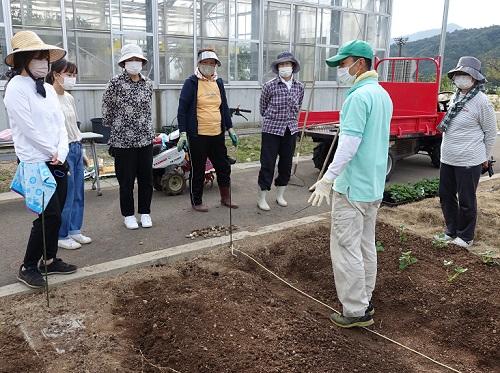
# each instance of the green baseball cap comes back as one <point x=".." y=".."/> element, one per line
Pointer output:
<point x="358" y="48"/>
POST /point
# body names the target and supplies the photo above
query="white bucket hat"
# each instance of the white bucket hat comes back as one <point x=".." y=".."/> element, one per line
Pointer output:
<point x="205" y="55"/>
<point x="129" y="51"/>
<point x="28" y="41"/>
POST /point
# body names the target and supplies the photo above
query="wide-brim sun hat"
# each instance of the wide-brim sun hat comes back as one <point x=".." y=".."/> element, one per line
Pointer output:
<point x="469" y="65"/>
<point x="285" y="57"/>
<point x="130" y="51"/>
<point x="207" y="55"/>
<point x="28" y="41"/>
<point x="354" y="48"/>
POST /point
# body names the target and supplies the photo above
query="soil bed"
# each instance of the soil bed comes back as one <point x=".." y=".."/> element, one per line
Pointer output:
<point x="218" y="313"/>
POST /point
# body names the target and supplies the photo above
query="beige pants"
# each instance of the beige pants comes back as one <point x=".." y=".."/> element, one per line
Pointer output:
<point x="354" y="257"/>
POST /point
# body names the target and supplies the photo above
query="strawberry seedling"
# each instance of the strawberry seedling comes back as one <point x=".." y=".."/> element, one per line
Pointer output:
<point x="406" y="260"/>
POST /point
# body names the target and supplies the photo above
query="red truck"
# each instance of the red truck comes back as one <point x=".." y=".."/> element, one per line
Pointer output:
<point x="418" y="109"/>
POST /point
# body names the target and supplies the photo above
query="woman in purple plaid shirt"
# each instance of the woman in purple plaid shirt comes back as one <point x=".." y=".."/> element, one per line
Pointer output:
<point x="280" y="103"/>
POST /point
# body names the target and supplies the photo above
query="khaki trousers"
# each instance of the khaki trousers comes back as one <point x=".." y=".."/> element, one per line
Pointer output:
<point x="353" y="252"/>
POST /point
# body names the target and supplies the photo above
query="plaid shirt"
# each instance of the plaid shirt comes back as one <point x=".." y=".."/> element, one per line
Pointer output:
<point x="279" y="106"/>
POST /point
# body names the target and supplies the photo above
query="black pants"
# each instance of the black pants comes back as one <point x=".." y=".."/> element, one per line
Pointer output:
<point x="132" y="163"/>
<point x="34" y="251"/>
<point x="271" y="147"/>
<point x="459" y="214"/>
<point x="201" y="147"/>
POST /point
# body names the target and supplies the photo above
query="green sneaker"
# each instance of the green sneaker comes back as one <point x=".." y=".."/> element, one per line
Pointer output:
<point x="350" y="322"/>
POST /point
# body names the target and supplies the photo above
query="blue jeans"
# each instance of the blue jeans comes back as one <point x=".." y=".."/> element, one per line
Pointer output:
<point x="72" y="214"/>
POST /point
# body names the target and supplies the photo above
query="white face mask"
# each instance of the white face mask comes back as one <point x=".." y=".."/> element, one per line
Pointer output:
<point x="463" y="81"/>
<point x="69" y="83"/>
<point x="344" y="76"/>
<point x="39" y="68"/>
<point x="206" y="70"/>
<point x="133" y="67"/>
<point x="285" y="72"/>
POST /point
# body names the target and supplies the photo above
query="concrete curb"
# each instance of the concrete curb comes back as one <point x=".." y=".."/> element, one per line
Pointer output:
<point x="163" y="256"/>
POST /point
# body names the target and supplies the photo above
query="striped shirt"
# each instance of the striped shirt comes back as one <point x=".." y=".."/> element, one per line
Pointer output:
<point x="470" y="137"/>
<point x="279" y="106"/>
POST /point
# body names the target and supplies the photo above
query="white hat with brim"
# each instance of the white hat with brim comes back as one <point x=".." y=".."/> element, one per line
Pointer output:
<point x="28" y="41"/>
<point x="207" y="55"/>
<point x="130" y="51"/>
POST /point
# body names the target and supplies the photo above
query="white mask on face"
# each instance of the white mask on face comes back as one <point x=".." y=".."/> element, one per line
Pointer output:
<point x="39" y="68"/>
<point x="344" y="76"/>
<point x="206" y="70"/>
<point x="285" y="71"/>
<point x="463" y="81"/>
<point x="133" y="67"/>
<point x="69" y="83"/>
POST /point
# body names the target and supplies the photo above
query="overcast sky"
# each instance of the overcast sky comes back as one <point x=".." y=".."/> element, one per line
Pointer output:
<point x="410" y="16"/>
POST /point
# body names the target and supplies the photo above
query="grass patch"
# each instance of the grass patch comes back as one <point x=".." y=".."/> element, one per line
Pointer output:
<point x="249" y="148"/>
<point x="7" y="171"/>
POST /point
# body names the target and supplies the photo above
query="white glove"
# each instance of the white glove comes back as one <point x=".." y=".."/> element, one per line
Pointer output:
<point x="322" y="189"/>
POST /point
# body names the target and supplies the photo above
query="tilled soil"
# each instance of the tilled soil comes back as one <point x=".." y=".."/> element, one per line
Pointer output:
<point x="219" y="313"/>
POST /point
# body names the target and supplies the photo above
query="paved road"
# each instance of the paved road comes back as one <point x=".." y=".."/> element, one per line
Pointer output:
<point x="172" y="216"/>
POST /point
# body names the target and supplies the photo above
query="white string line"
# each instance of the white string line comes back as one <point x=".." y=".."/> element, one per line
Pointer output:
<point x="334" y="310"/>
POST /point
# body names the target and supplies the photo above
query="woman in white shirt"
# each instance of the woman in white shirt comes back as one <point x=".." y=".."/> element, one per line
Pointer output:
<point x="40" y="141"/>
<point x="62" y="76"/>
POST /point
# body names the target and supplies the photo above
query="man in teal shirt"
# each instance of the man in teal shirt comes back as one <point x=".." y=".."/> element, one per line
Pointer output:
<point x="357" y="175"/>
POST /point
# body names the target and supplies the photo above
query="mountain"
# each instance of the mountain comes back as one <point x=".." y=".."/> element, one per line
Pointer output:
<point x="482" y="43"/>
<point x="430" y="33"/>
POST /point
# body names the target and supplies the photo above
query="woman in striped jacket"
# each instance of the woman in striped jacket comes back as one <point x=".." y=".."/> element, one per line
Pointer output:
<point x="469" y="132"/>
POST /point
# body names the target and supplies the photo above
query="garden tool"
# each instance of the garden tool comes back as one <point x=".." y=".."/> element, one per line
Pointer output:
<point x="302" y="133"/>
<point x="44" y="244"/>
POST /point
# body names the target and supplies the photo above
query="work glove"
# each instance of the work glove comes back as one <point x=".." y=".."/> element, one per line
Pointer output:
<point x="183" y="142"/>
<point x="322" y="190"/>
<point x="234" y="137"/>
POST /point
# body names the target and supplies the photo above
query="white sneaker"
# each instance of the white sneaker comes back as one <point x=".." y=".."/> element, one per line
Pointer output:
<point x="68" y="244"/>
<point x="146" y="221"/>
<point x="459" y="242"/>
<point x="261" y="200"/>
<point x="130" y="222"/>
<point x="80" y="238"/>
<point x="280" y="192"/>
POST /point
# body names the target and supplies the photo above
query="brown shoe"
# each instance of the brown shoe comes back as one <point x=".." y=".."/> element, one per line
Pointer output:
<point x="224" y="197"/>
<point x="200" y="208"/>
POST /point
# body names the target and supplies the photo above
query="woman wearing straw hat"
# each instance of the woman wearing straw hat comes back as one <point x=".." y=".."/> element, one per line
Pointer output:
<point x="203" y="117"/>
<point x="126" y="108"/>
<point x="469" y="133"/>
<point x="280" y="103"/>
<point x="41" y="144"/>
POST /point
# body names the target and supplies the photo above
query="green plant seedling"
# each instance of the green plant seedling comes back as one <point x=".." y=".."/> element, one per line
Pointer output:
<point x="453" y="274"/>
<point x="403" y="237"/>
<point x="457" y="271"/>
<point x="439" y="242"/>
<point x="379" y="246"/>
<point x="488" y="259"/>
<point x="406" y="260"/>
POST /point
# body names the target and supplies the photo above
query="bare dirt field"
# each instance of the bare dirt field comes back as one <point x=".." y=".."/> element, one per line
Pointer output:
<point x="219" y="313"/>
<point x="425" y="218"/>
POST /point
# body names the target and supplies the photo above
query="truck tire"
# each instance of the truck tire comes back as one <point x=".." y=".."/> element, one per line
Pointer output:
<point x="391" y="164"/>
<point x="435" y="155"/>
<point x="320" y="152"/>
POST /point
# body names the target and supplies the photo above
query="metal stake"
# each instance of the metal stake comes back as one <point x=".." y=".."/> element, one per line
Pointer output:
<point x="44" y="244"/>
